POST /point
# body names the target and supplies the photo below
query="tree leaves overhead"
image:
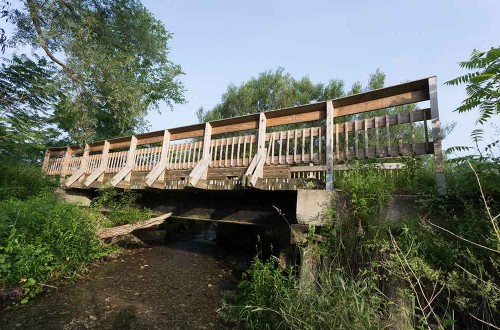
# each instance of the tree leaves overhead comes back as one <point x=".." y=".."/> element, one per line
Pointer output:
<point x="482" y="85"/>
<point x="26" y="96"/>
<point x="114" y="57"/>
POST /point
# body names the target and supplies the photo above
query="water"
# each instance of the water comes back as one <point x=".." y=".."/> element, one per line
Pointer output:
<point x="175" y="285"/>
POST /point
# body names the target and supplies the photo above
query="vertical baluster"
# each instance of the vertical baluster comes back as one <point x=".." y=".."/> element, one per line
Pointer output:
<point x="271" y="141"/>
<point x="238" y="152"/>
<point x="356" y="139"/>
<point x="311" y="144"/>
<point x="346" y="132"/>
<point x="365" y="123"/>
<point x="337" y="143"/>
<point x="226" y="153"/>
<point x="400" y="135"/>
<point x="303" y="149"/>
<point x="221" y="156"/>
<point x="213" y="153"/>
<point x="388" y="130"/>
<point x="184" y="155"/>
<point x="281" y="147"/>
<point x="287" y="147"/>
<point x="190" y="154"/>
<point x="412" y="133"/>
<point x="376" y="136"/>
<point x="232" y="152"/>
<point x="320" y="156"/>
<point x="426" y="132"/>
<point x="252" y="138"/>
<point x="295" y="147"/>
<point x="245" y="162"/>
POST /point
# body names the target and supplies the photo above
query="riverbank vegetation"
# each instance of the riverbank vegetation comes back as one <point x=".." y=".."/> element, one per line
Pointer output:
<point x="438" y="268"/>
<point x="43" y="238"/>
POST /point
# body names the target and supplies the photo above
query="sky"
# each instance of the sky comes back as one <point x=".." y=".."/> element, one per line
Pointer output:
<point x="223" y="42"/>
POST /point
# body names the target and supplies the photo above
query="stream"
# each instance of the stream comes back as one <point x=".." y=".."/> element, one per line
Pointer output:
<point x="174" y="285"/>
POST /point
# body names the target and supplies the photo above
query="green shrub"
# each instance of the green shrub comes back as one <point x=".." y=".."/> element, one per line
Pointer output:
<point x="21" y="180"/>
<point x="119" y="207"/>
<point x="268" y="298"/>
<point x="43" y="238"/>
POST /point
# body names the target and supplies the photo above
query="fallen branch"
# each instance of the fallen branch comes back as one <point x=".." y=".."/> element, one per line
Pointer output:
<point x="127" y="229"/>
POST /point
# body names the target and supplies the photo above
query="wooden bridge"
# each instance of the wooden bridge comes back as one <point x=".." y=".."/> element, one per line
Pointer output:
<point x="275" y="150"/>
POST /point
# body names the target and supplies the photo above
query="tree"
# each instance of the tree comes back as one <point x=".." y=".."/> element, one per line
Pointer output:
<point x="113" y="60"/>
<point x="272" y="90"/>
<point x="26" y="97"/>
<point x="483" y="94"/>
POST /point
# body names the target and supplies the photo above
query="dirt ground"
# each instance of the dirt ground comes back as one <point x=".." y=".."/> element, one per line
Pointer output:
<point x="176" y="285"/>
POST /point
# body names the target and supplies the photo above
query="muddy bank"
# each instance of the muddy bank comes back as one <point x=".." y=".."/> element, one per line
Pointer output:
<point x="175" y="285"/>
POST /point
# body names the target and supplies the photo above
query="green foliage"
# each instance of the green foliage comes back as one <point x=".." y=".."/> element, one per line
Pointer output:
<point x="26" y="96"/>
<point x="119" y="207"/>
<point x="269" y="298"/>
<point x="483" y="84"/>
<point x="43" y="238"/>
<point x="272" y="90"/>
<point x="21" y="181"/>
<point x="116" y="67"/>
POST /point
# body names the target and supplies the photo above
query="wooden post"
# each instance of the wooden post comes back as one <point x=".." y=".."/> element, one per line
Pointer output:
<point x="83" y="166"/>
<point x="65" y="164"/>
<point x="200" y="171"/>
<point x="329" y="145"/>
<point x="261" y="137"/>
<point x="159" y="170"/>
<point x="46" y="160"/>
<point x="436" y="137"/>
<point x="164" y="152"/>
<point x="131" y="157"/>
<point x="104" y="160"/>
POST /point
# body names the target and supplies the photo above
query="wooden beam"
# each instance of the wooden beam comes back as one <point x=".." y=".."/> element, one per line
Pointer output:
<point x="199" y="172"/>
<point x="83" y="166"/>
<point x="329" y="145"/>
<point x="159" y="170"/>
<point x="386" y="102"/>
<point x="100" y="171"/>
<point x="256" y="168"/>
<point x="436" y="137"/>
<point x="201" y="169"/>
<point x="131" y="157"/>
<point x="125" y="172"/>
<point x="65" y="164"/>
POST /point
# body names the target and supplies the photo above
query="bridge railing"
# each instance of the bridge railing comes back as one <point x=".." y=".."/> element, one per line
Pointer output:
<point x="317" y="135"/>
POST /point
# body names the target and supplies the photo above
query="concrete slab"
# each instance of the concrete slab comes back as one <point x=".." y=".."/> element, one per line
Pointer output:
<point x="312" y="206"/>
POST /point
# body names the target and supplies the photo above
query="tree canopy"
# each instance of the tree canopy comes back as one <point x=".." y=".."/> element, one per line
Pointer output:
<point x="112" y="61"/>
<point x="277" y="89"/>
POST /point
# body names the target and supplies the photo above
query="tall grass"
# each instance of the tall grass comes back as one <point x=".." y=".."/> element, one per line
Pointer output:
<point x="269" y="298"/>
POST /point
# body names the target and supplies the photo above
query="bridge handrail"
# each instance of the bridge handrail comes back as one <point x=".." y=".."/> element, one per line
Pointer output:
<point x="332" y="141"/>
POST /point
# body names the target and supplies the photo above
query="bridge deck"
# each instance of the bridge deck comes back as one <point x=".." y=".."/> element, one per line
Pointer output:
<point x="275" y="150"/>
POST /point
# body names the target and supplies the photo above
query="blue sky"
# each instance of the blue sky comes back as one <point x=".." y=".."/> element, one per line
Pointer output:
<point x="223" y="42"/>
